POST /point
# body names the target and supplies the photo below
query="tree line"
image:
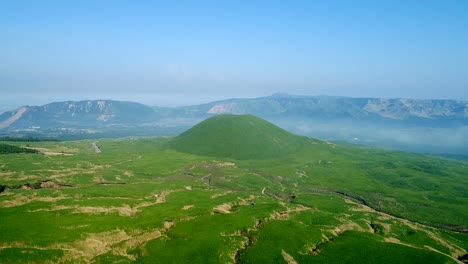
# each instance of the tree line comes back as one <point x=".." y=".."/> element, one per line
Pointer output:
<point x="10" y="149"/>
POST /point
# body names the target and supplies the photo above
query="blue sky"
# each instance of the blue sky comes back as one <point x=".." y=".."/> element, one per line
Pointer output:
<point x="188" y="52"/>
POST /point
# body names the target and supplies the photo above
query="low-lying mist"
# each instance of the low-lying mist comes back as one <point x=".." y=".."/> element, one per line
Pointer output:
<point x="433" y="140"/>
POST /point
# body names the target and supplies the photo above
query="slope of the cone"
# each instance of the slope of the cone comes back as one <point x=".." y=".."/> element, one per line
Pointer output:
<point x="238" y="137"/>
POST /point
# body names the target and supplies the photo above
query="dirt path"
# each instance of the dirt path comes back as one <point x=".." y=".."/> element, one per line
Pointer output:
<point x="96" y="147"/>
<point x="288" y="258"/>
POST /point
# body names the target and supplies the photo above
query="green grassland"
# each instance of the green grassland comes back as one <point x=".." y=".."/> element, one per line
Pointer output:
<point x="140" y="201"/>
<point x="143" y="200"/>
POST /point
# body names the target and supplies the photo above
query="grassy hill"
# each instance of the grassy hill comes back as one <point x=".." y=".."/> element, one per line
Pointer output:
<point x="238" y="137"/>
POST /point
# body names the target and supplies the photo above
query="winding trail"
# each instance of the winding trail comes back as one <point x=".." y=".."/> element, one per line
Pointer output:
<point x="96" y="147"/>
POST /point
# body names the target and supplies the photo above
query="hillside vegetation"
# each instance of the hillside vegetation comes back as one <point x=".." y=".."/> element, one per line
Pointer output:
<point x="10" y="149"/>
<point x="239" y="137"/>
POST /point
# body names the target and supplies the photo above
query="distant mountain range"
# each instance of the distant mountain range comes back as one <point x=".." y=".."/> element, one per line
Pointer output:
<point x="420" y="124"/>
<point x="83" y="113"/>
<point x="406" y="111"/>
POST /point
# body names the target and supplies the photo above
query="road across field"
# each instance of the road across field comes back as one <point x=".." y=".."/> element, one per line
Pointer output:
<point x="96" y="148"/>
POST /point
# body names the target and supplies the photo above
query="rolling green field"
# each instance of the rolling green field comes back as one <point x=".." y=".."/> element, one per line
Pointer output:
<point x="139" y="200"/>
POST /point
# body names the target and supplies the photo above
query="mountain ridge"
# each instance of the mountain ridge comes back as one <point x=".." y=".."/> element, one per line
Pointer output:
<point x="85" y="112"/>
<point x="394" y="109"/>
<point x="398" y="110"/>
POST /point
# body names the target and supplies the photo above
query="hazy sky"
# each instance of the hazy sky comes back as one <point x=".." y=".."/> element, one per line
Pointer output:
<point x="186" y="52"/>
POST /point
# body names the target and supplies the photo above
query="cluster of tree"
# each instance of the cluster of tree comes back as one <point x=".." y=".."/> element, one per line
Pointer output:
<point x="9" y="149"/>
<point x="26" y="139"/>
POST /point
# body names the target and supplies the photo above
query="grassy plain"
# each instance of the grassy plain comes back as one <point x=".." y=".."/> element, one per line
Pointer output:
<point x="139" y="201"/>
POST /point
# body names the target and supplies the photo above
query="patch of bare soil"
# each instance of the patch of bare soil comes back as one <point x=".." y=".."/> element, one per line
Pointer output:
<point x="235" y="234"/>
<point x="222" y="209"/>
<point x="98" y="179"/>
<point x="247" y="201"/>
<point x="168" y="224"/>
<point x="129" y="174"/>
<point x="220" y="194"/>
<point x="124" y="210"/>
<point x="337" y="231"/>
<point x="186" y="207"/>
<point x="20" y="199"/>
<point x="6" y="173"/>
<point x="26" y="186"/>
<point x="138" y="240"/>
<point x="161" y="198"/>
<point x="285" y="214"/>
<point x="14" y="244"/>
<point x="209" y="166"/>
<point x="226" y="164"/>
<point x="50" y="184"/>
<point x="397" y="241"/>
<point x="116" y="241"/>
<point x="301" y="174"/>
<point x="53" y="208"/>
<point x="78" y="170"/>
<point x="18" y="176"/>
<point x="92" y="245"/>
<point x="192" y="167"/>
<point x="288" y="258"/>
<point x="387" y="227"/>
<point x="187" y="218"/>
<point x="75" y="227"/>
<point x="111" y="183"/>
<point x="144" y="204"/>
<point x="36" y="185"/>
<point x="359" y="207"/>
<point x="49" y="152"/>
<point x="6" y="192"/>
